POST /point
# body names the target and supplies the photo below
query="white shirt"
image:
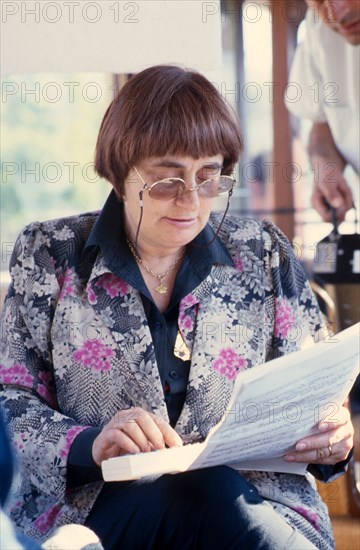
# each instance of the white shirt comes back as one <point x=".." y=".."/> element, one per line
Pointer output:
<point x="324" y="85"/>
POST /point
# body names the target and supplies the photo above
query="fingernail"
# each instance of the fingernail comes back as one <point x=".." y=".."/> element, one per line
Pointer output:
<point x="301" y="447"/>
<point x="289" y="458"/>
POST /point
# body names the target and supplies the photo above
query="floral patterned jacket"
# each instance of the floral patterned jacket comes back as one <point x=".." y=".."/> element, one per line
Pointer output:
<point x="76" y="347"/>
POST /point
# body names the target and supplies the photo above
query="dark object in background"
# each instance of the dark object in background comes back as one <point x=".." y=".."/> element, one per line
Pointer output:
<point x="336" y="268"/>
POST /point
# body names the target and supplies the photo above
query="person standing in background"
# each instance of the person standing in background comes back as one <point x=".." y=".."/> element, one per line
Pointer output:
<point x="326" y="66"/>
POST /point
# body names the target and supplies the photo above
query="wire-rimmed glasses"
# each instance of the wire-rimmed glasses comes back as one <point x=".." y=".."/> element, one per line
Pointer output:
<point x="169" y="188"/>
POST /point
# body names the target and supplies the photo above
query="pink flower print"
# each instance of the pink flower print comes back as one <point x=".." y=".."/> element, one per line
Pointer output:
<point x="16" y="374"/>
<point x="229" y="363"/>
<point x="94" y="355"/>
<point x="310" y="516"/>
<point x="186" y="322"/>
<point x="113" y="285"/>
<point x="60" y="278"/>
<point x="20" y="440"/>
<point x="46" y="389"/>
<point x="47" y="520"/>
<point x="239" y="263"/>
<point x="68" y="287"/>
<point x="285" y="318"/>
<point x="69" y="439"/>
<point x="187" y="302"/>
<point x="91" y="295"/>
<point x="45" y="377"/>
<point x="52" y="261"/>
<point x="44" y="392"/>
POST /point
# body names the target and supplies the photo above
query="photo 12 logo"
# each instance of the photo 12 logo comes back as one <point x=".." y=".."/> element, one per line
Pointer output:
<point x="69" y="12"/>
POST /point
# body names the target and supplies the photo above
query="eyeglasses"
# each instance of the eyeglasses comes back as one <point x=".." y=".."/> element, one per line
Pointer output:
<point x="170" y="188"/>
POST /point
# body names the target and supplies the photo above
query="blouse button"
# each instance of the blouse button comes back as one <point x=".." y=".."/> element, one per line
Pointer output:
<point x="173" y="374"/>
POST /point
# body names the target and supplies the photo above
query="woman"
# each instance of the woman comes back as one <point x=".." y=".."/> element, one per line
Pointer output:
<point x="107" y="349"/>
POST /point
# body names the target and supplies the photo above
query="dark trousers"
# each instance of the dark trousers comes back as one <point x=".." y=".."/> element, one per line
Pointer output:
<point x="213" y="508"/>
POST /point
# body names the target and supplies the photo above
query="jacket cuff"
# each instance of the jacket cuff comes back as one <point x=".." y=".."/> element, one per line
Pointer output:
<point x="327" y="473"/>
<point x="81" y="468"/>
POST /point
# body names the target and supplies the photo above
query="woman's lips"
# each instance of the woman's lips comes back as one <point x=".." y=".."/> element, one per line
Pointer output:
<point x="181" y="222"/>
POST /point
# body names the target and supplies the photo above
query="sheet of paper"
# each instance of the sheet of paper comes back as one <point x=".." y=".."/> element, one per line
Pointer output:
<point x="272" y="407"/>
<point x="271" y="465"/>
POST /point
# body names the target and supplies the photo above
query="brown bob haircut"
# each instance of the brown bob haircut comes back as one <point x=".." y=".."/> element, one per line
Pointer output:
<point x="165" y="110"/>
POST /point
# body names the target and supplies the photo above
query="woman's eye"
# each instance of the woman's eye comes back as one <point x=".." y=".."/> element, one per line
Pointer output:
<point x="160" y="177"/>
<point x="208" y="174"/>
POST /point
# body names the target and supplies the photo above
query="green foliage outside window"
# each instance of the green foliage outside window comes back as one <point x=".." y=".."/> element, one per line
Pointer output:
<point x="49" y="126"/>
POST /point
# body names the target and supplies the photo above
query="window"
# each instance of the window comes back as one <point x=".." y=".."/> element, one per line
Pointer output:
<point x="49" y="129"/>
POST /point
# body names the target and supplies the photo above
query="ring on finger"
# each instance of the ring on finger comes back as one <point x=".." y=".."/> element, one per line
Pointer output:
<point x="320" y="454"/>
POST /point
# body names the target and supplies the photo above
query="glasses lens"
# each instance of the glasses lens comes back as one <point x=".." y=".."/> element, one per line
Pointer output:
<point x="216" y="186"/>
<point x="169" y="188"/>
<point x="166" y="189"/>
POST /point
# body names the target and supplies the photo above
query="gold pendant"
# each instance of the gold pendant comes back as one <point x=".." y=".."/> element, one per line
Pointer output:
<point x="161" y="288"/>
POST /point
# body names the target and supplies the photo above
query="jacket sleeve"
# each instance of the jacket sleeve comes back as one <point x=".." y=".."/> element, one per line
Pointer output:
<point x="41" y="435"/>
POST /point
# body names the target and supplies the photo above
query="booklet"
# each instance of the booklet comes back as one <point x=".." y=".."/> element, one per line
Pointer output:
<point x="272" y="406"/>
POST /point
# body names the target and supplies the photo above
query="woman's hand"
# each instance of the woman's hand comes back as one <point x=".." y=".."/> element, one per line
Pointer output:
<point x="133" y="431"/>
<point x="331" y="445"/>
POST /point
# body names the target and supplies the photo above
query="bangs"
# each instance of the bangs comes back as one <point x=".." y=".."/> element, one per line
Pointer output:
<point x="183" y="131"/>
<point x="188" y="125"/>
<point x="165" y="110"/>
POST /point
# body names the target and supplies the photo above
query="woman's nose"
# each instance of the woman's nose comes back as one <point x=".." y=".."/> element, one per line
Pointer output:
<point x="189" y="194"/>
<point x="191" y="182"/>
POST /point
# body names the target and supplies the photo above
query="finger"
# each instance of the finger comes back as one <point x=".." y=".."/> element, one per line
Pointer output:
<point x="139" y="425"/>
<point x="330" y="454"/>
<point x="346" y="192"/>
<point x="317" y="200"/>
<point x="332" y="187"/>
<point x="123" y="442"/>
<point x="316" y="456"/>
<point x="337" y="194"/>
<point x="171" y="437"/>
<point x="111" y="443"/>
<point x="330" y="437"/>
<point x="157" y="432"/>
<point x="124" y="437"/>
<point x="140" y="432"/>
<point x="146" y="429"/>
<point x="340" y="418"/>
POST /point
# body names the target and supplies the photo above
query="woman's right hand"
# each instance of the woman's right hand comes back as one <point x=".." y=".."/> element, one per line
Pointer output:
<point x="133" y="431"/>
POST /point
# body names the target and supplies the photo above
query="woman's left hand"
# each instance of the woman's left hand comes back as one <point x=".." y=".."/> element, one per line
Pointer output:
<point x="330" y="445"/>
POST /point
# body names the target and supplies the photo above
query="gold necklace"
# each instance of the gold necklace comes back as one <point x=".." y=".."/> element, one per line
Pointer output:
<point x="161" y="288"/>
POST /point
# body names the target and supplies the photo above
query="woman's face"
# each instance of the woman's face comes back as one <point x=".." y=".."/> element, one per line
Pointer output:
<point x="169" y="224"/>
